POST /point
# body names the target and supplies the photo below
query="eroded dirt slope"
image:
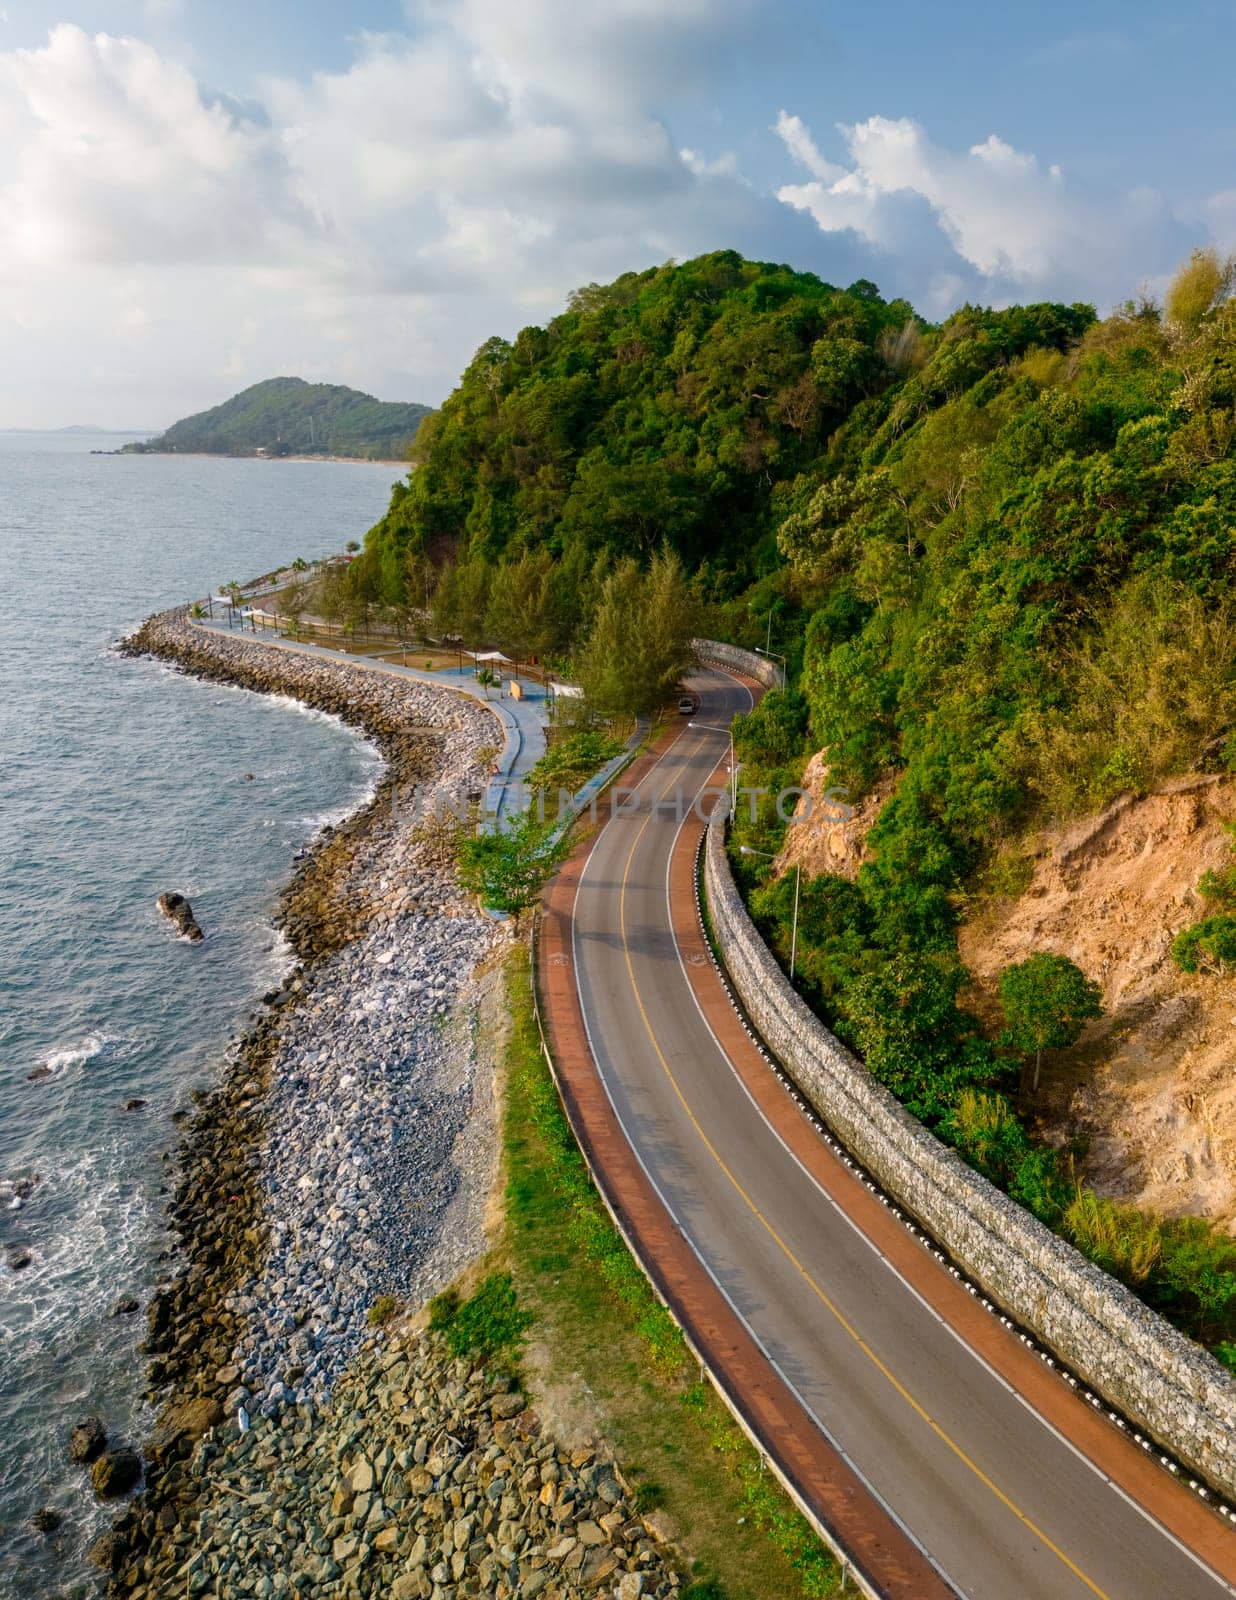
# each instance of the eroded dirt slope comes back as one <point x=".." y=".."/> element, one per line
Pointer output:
<point x="1152" y="1084"/>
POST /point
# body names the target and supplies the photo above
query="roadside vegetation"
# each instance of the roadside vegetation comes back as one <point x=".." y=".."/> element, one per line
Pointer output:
<point x="999" y="557"/>
<point x="509" y="868"/>
<point x="562" y="1280"/>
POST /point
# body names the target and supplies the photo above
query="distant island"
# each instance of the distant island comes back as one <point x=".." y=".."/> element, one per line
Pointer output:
<point x="289" y="417"/>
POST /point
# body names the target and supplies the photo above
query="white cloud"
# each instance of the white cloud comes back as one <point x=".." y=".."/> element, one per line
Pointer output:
<point x="446" y="184"/>
<point x="373" y="224"/>
<point x="798" y="141"/>
<point x="1012" y="225"/>
<point x="119" y="156"/>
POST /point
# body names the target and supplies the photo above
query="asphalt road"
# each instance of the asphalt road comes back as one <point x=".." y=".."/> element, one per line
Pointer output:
<point x="1002" y="1505"/>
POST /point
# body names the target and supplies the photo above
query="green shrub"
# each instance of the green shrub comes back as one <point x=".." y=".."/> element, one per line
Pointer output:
<point x="648" y="1497"/>
<point x="570" y="762"/>
<point x="703" y="1589"/>
<point x="775" y="733"/>
<point x="1007" y="875"/>
<point x="382" y="1310"/>
<point x="904" y="1019"/>
<point x="1208" y="946"/>
<point x="489" y="1323"/>
<point x="1121" y="1239"/>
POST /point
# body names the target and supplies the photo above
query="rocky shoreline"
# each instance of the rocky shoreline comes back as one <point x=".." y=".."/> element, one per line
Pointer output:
<point x="344" y="1166"/>
<point x="424" y="1477"/>
<point x="321" y="1174"/>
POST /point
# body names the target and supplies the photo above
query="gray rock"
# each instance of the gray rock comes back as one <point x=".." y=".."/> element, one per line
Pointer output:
<point x="176" y="908"/>
<point x="88" y="1440"/>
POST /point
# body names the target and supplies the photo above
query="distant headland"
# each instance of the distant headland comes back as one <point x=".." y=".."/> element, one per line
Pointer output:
<point x="289" y="417"/>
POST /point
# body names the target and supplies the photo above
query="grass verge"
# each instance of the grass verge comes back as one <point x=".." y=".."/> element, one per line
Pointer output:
<point x="617" y="1360"/>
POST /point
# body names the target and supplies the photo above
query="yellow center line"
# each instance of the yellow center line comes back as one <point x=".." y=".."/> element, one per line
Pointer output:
<point x="830" y="1305"/>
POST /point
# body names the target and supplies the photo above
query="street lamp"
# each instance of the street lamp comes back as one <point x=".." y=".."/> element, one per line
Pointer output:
<point x="776" y="656"/>
<point x="717" y="727"/>
<point x="746" y="850"/>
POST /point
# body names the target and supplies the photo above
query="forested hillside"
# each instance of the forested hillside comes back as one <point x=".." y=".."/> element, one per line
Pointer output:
<point x="670" y="407"/>
<point x="999" y="555"/>
<point x="287" y="416"/>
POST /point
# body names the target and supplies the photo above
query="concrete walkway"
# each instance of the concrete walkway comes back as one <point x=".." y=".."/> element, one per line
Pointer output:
<point x="522" y="721"/>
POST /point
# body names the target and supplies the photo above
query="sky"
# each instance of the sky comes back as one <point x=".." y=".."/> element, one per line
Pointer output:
<point x="198" y="194"/>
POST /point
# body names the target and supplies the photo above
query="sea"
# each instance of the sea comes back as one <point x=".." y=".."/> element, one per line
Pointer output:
<point x="120" y="779"/>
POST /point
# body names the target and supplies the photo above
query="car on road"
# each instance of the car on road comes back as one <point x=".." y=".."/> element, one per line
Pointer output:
<point x="687" y="705"/>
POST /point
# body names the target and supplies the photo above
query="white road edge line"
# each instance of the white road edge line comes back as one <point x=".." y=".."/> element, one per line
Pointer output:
<point x="755" y="1338"/>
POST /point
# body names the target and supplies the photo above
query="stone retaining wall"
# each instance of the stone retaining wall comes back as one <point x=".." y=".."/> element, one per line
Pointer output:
<point x="746" y="661"/>
<point x="1162" y="1381"/>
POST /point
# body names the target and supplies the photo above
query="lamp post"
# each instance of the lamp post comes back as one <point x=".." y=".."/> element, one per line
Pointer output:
<point x="776" y="656"/>
<point x="717" y="727"/>
<point x="746" y="850"/>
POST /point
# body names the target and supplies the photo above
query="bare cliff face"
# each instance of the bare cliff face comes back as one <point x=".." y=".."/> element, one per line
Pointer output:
<point x="818" y="845"/>
<point x="1152" y="1083"/>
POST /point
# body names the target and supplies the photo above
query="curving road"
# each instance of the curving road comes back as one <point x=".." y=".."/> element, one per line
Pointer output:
<point x="962" y="1447"/>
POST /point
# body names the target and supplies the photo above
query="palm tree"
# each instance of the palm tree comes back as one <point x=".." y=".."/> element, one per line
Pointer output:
<point x="488" y="679"/>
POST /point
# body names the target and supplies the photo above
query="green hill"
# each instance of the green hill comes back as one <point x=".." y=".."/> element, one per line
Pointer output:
<point x="287" y="416"/>
<point x="1000" y="556"/>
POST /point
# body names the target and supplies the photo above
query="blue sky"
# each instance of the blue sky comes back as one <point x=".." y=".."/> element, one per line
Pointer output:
<point x="194" y="196"/>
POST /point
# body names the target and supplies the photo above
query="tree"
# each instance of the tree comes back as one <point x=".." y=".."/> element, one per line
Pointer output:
<point x="462" y="600"/>
<point x="509" y="869"/>
<point x="519" y="611"/>
<point x="640" y="643"/>
<point x="1203" y="283"/>
<point x="1047" y="1000"/>
<point x="488" y="679"/>
<point x="333" y="596"/>
<point x="913" y="1037"/>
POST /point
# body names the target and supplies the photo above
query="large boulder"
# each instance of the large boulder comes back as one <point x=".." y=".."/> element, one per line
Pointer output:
<point x="88" y="1440"/>
<point x="182" y="1423"/>
<point x="108" y="1551"/>
<point x="116" y="1473"/>
<point x="176" y="908"/>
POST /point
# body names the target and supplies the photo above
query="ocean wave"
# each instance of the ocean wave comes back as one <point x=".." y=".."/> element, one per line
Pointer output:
<point x="93" y="1246"/>
<point x="90" y="1048"/>
<point x="357" y="801"/>
<point x="312" y="712"/>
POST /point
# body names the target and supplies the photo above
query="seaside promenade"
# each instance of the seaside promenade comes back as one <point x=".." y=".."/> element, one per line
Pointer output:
<point x="523" y="721"/>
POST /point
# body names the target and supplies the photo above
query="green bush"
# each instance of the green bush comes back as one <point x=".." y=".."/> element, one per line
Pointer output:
<point x="774" y="734"/>
<point x="508" y="869"/>
<point x="904" y="1019"/>
<point x="382" y="1310"/>
<point x="1121" y="1239"/>
<point x="489" y="1323"/>
<point x="570" y="762"/>
<point x="1208" y="946"/>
